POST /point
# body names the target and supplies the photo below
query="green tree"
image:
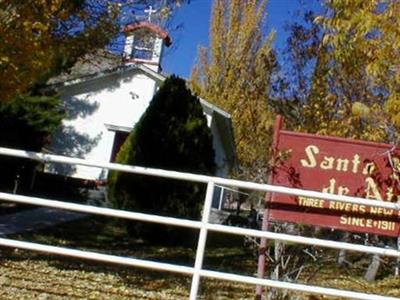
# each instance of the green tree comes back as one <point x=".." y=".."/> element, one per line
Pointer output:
<point x="172" y="134"/>
<point x="26" y="123"/>
<point x="235" y="73"/>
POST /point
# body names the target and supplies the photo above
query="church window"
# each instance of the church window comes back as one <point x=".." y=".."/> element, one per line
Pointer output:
<point x="143" y="47"/>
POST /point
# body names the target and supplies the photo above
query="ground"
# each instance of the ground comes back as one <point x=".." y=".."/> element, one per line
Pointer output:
<point x="27" y="275"/>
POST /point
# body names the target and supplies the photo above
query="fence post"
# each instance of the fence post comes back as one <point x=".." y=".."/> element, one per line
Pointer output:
<point x="221" y="198"/>
<point x="198" y="264"/>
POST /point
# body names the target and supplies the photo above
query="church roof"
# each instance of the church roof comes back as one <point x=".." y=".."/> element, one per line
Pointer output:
<point x="161" y="33"/>
<point x="96" y="62"/>
<point x="98" y="66"/>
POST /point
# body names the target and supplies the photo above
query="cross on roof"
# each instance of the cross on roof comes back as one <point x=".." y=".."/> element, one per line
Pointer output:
<point x="150" y="11"/>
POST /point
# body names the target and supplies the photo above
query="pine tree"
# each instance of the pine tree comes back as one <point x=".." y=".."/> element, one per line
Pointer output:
<point x="26" y="123"/>
<point x="172" y="134"/>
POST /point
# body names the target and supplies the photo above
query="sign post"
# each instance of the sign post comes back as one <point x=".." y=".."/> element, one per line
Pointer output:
<point x="265" y="224"/>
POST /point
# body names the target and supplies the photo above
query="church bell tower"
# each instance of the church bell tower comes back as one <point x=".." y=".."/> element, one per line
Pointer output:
<point x="144" y="43"/>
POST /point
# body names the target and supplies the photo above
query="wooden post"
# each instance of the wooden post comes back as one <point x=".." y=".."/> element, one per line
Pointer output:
<point x="265" y="224"/>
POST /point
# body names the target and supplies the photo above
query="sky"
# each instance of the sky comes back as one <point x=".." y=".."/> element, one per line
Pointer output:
<point x="194" y="19"/>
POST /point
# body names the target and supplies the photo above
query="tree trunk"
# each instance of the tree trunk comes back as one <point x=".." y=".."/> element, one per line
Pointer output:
<point x="373" y="268"/>
<point x="343" y="253"/>
<point x="274" y="294"/>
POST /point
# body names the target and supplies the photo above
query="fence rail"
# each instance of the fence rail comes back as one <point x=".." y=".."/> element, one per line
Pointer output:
<point x="48" y="158"/>
<point x="204" y="226"/>
<point x="197" y="224"/>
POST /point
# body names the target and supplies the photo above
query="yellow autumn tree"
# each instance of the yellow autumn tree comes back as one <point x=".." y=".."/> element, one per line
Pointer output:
<point x="24" y="51"/>
<point x="372" y="29"/>
<point x="42" y="37"/>
<point x="341" y="101"/>
<point x="353" y="90"/>
<point x="235" y="72"/>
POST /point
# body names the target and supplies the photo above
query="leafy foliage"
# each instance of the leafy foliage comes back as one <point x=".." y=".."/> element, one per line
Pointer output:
<point x="172" y="134"/>
<point x="343" y="80"/>
<point x="235" y="74"/>
<point x="26" y="123"/>
<point x="42" y="38"/>
<point x="370" y="30"/>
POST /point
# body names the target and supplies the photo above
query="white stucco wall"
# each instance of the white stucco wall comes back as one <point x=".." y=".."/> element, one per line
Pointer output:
<point x="118" y="100"/>
<point x="220" y="155"/>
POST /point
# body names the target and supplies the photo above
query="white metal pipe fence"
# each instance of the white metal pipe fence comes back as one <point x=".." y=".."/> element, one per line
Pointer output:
<point x="197" y="225"/>
<point x="47" y="158"/>
<point x="126" y="261"/>
<point x="201" y="246"/>
<point x="204" y="226"/>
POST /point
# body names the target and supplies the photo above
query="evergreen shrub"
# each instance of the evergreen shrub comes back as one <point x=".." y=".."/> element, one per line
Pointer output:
<point x="26" y="123"/>
<point x="172" y="134"/>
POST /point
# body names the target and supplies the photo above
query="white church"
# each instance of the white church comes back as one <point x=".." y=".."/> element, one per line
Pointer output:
<point x="108" y="94"/>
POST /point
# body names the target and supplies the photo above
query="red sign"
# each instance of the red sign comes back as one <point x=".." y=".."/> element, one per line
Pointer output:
<point x="338" y="166"/>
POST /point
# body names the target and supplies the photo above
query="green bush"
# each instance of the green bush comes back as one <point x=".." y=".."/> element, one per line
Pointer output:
<point x="172" y="134"/>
